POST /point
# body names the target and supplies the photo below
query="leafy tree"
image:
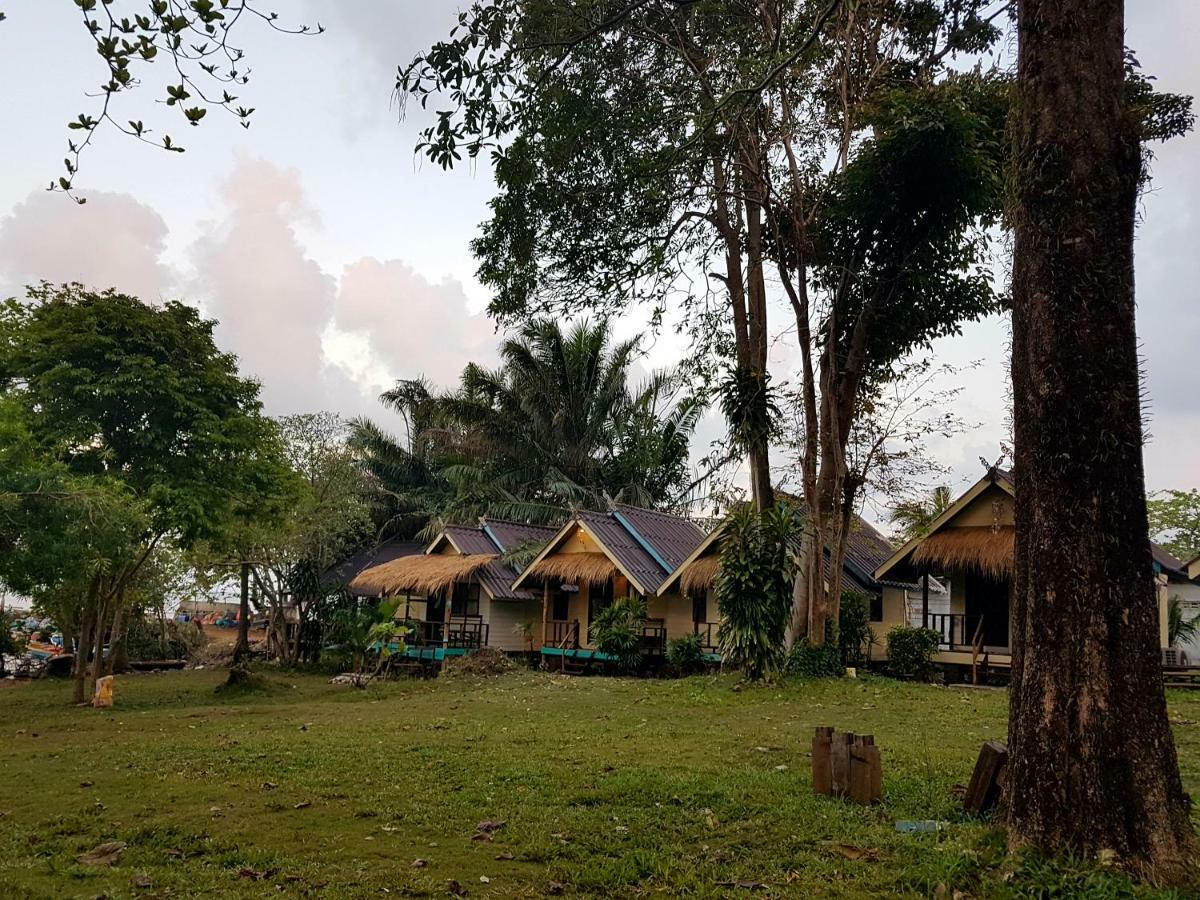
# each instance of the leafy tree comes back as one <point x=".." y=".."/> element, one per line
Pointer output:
<point x="826" y="146"/>
<point x="1175" y="521"/>
<point x="913" y="517"/>
<point x="1087" y="697"/>
<point x="754" y="587"/>
<point x="317" y="512"/>
<point x="137" y="403"/>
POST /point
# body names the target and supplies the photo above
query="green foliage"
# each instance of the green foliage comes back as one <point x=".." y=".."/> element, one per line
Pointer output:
<point x="151" y="638"/>
<point x="617" y="631"/>
<point x="363" y="628"/>
<point x="806" y="661"/>
<point x="913" y="517"/>
<point x="558" y="424"/>
<point x="1180" y="629"/>
<point x="112" y="387"/>
<point x="685" y="654"/>
<point x="910" y="650"/>
<point x="854" y="629"/>
<point x="1175" y="521"/>
<point x="754" y="588"/>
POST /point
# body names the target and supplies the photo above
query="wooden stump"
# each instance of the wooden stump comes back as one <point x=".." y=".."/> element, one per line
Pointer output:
<point x="846" y="765"/>
<point x="822" y="761"/>
<point x="987" y="780"/>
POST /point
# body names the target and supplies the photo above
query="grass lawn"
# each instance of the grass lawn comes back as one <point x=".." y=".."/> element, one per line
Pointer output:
<point x="606" y="787"/>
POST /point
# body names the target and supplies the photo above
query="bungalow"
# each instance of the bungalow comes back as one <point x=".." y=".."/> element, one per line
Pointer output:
<point x="1178" y="580"/>
<point x="599" y="557"/>
<point x="971" y="546"/>
<point x="458" y="594"/>
<point x="866" y="549"/>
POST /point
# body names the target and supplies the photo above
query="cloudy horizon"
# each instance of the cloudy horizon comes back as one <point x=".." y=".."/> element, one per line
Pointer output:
<point x="337" y="262"/>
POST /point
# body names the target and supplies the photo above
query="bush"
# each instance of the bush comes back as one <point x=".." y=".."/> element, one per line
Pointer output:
<point x="754" y="588"/>
<point x="149" y="637"/>
<point x="854" y="630"/>
<point x="910" y="650"/>
<point x="685" y="654"/>
<point x="807" y="661"/>
<point x="617" y="632"/>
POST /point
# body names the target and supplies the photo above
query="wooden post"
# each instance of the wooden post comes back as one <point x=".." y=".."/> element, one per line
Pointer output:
<point x="545" y="609"/>
<point x="925" y="599"/>
<point x="866" y="775"/>
<point x="822" y="761"/>
<point x="841" y="763"/>
<point x="988" y="778"/>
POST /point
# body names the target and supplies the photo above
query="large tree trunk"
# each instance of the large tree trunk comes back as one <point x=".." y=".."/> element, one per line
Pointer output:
<point x="241" y="650"/>
<point x="1093" y="765"/>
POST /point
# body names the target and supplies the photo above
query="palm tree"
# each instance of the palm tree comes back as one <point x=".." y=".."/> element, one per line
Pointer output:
<point x="556" y="425"/>
<point x="1180" y="630"/>
<point x="914" y="517"/>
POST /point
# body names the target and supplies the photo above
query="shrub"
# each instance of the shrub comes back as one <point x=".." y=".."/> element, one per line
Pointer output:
<point x="617" y="632"/>
<point x="910" y="650"/>
<point x="685" y="654"/>
<point x="807" y="661"/>
<point x="854" y="630"/>
<point x="754" y="588"/>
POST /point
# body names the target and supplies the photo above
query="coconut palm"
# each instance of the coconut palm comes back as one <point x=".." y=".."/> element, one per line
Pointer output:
<point x="555" y="425"/>
<point x="914" y="517"/>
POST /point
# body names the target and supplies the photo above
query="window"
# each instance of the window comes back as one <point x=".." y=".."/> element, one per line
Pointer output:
<point x="562" y="607"/>
<point x="699" y="608"/>
<point x="600" y="597"/>
<point x="465" y="600"/>
<point x="877" y="607"/>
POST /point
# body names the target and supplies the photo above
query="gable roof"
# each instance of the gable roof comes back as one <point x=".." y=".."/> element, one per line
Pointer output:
<point x="866" y="549"/>
<point x="343" y="573"/>
<point x="639" y="542"/>
<point x="489" y="538"/>
<point x="1164" y="561"/>
<point x="998" y="477"/>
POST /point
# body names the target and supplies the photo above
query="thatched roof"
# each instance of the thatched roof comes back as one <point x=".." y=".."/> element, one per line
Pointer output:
<point x="428" y="573"/>
<point x="699" y="575"/>
<point x="985" y="549"/>
<point x="572" y="568"/>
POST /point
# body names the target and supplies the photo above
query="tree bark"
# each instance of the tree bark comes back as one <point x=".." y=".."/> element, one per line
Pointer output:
<point x="1093" y="764"/>
<point x="241" y="650"/>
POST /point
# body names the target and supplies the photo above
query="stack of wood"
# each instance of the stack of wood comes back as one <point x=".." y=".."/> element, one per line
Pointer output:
<point x="846" y="765"/>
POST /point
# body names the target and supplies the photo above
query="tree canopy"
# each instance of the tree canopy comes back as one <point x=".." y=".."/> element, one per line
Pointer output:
<point x="557" y="424"/>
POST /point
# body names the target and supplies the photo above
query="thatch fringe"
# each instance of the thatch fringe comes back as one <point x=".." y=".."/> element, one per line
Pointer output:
<point x="983" y="548"/>
<point x="572" y="568"/>
<point x="700" y="574"/>
<point x="427" y="573"/>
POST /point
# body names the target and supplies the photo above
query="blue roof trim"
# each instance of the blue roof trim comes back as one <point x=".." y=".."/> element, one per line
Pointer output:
<point x="491" y="537"/>
<point x="645" y="545"/>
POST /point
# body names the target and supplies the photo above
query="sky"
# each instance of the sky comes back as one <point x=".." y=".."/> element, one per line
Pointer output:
<point x="336" y="260"/>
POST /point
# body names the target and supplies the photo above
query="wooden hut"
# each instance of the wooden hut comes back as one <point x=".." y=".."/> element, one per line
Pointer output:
<point x="971" y="546"/>
<point x="693" y="580"/>
<point x="599" y="557"/>
<point x="458" y="594"/>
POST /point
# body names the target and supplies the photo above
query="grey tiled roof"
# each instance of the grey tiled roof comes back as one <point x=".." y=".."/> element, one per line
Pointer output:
<point x="671" y="538"/>
<point x="495" y="536"/>
<point x="344" y="572"/>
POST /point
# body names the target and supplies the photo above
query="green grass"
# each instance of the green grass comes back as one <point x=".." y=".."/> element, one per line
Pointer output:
<point x="610" y="787"/>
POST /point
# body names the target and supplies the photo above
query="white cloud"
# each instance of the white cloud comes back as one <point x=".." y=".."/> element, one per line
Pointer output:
<point x="111" y="241"/>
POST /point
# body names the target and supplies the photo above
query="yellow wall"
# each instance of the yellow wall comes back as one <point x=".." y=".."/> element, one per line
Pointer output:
<point x="676" y="612"/>
<point x="994" y="506"/>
